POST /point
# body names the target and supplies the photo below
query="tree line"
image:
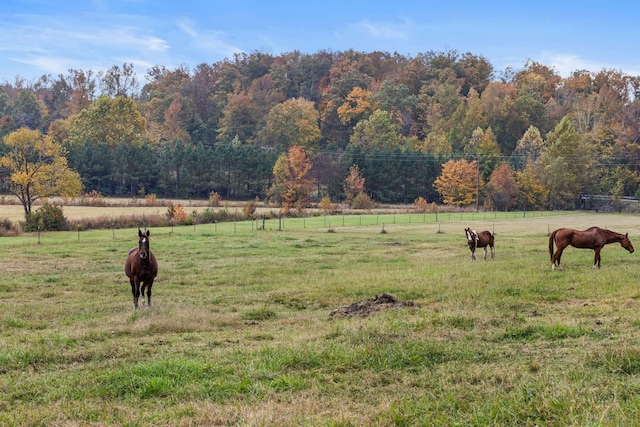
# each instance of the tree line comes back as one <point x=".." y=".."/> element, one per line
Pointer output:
<point x="441" y="126"/>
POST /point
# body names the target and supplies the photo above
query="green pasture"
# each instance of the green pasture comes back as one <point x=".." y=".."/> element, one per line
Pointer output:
<point x="240" y="331"/>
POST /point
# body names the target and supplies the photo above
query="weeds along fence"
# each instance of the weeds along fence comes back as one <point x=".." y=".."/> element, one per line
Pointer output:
<point x="323" y="223"/>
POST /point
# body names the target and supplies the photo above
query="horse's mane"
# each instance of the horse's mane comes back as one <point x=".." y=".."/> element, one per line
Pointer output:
<point x="611" y="233"/>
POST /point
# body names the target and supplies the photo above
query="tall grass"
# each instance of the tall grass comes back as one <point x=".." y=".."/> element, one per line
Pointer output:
<point x="240" y="333"/>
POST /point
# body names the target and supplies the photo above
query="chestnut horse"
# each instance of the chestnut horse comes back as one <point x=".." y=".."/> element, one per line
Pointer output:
<point x="480" y="240"/>
<point x="141" y="268"/>
<point x="592" y="238"/>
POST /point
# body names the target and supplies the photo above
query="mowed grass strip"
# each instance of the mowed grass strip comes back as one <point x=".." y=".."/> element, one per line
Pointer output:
<point x="240" y="334"/>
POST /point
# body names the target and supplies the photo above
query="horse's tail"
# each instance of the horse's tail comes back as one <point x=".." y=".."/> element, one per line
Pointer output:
<point x="552" y="237"/>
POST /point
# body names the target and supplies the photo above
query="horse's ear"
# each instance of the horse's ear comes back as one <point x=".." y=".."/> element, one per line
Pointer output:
<point x="139" y="233"/>
<point x="627" y="235"/>
<point x="148" y="233"/>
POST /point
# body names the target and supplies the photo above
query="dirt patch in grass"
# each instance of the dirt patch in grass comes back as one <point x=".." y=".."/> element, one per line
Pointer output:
<point x="380" y="302"/>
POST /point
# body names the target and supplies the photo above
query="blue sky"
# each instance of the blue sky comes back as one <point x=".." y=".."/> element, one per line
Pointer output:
<point x="50" y="37"/>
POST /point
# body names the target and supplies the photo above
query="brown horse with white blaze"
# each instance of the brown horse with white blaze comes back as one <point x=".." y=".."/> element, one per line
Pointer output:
<point x="141" y="268"/>
<point x="482" y="239"/>
<point x="592" y="238"/>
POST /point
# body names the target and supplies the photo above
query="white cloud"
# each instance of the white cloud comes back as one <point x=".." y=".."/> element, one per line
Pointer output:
<point x="57" y="45"/>
<point x="126" y="38"/>
<point x="565" y="64"/>
<point x="50" y="64"/>
<point x="382" y="30"/>
<point x="208" y="40"/>
<point x="188" y="27"/>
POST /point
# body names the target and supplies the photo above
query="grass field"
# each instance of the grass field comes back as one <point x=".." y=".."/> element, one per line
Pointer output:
<point x="240" y="334"/>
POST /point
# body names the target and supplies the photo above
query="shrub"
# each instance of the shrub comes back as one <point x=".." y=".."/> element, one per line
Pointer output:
<point x="151" y="200"/>
<point x="47" y="217"/>
<point x="209" y="216"/>
<point x="93" y="198"/>
<point x="327" y="207"/>
<point x="179" y="214"/>
<point x="249" y="209"/>
<point x="176" y="213"/>
<point x="214" y="199"/>
<point x="9" y="228"/>
<point x="362" y="201"/>
<point x="421" y="204"/>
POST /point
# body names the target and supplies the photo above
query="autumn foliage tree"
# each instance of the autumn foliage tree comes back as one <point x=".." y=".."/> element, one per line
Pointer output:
<point x="109" y="121"/>
<point x="398" y="116"/>
<point x="532" y="192"/>
<point x="458" y="184"/>
<point x="37" y="168"/>
<point x="566" y="161"/>
<point x="293" y="122"/>
<point x="502" y="188"/>
<point x="379" y="131"/>
<point x="293" y="183"/>
<point x="357" y="105"/>
<point x="353" y="183"/>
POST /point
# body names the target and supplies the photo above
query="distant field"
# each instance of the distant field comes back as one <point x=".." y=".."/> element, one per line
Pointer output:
<point x="116" y="208"/>
<point x="240" y="332"/>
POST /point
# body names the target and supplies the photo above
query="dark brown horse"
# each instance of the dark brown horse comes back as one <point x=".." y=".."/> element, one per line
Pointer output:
<point x="480" y="239"/>
<point x="592" y="238"/>
<point x="141" y="268"/>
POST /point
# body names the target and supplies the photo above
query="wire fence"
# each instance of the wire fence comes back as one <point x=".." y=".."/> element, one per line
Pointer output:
<point x="311" y="223"/>
<point x="364" y="220"/>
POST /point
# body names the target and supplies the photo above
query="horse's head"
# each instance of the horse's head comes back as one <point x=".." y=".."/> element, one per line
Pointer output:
<point x="472" y="237"/>
<point x="143" y="244"/>
<point x="626" y="243"/>
<point x="467" y="231"/>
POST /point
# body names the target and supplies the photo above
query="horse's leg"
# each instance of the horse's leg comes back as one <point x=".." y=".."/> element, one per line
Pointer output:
<point x="142" y="288"/>
<point x="596" y="258"/>
<point x="149" y="292"/>
<point x="555" y="259"/>
<point x="473" y="254"/>
<point x="558" y="260"/>
<point x="135" y="290"/>
<point x="485" y="253"/>
<point x="493" y="252"/>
